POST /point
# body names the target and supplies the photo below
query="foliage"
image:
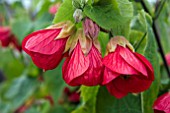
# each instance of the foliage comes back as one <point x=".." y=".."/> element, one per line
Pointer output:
<point x="26" y="85"/>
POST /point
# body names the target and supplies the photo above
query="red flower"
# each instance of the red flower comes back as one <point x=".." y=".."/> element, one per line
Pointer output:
<point x="46" y="46"/>
<point x="162" y="104"/>
<point x="126" y="71"/>
<point x="5" y="34"/>
<point x="84" y="65"/>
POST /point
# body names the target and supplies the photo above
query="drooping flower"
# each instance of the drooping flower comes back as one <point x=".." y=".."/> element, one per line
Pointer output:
<point x="5" y="34"/>
<point x="162" y="104"/>
<point x="125" y="70"/>
<point x="46" y="46"/>
<point x="7" y="38"/>
<point x="84" y="65"/>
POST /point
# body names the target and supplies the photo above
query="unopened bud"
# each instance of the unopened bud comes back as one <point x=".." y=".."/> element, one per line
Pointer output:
<point x="78" y="15"/>
<point x="91" y="29"/>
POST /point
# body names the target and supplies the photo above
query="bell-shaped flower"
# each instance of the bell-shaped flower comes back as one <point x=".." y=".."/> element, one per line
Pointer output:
<point x="46" y="46"/>
<point x="125" y="70"/>
<point x="84" y="64"/>
<point x="161" y="105"/>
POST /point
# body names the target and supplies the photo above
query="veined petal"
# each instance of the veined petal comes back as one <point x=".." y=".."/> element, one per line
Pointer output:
<point x="132" y="60"/>
<point x="46" y="62"/>
<point x="148" y="66"/>
<point x="117" y="64"/>
<point x="75" y="65"/>
<point x="93" y="75"/>
<point x="43" y="42"/>
<point x="109" y="76"/>
<point x="162" y="104"/>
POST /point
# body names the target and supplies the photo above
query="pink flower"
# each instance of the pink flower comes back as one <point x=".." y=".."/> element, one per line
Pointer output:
<point x="5" y="34"/>
<point x="162" y="104"/>
<point x="46" y="46"/>
<point x="54" y="8"/>
<point x="125" y="70"/>
<point x="84" y="65"/>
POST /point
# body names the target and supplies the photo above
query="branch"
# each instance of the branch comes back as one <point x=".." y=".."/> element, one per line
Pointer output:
<point x="159" y="9"/>
<point x="157" y="35"/>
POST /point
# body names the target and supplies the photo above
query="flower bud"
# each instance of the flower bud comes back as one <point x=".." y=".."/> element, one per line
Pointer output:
<point x="91" y="29"/>
<point x="78" y="15"/>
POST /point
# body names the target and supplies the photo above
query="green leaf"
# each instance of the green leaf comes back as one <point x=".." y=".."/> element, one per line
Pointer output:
<point x="103" y="39"/>
<point x="17" y="92"/>
<point x="114" y="15"/>
<point x="21" y="28"/>
<point x="109" y="104"/>
<point x="65" y="12"/>
<point x="55" y="82"/>
<point x="10" y="66"/>
<point x="88" y="95"/>
<point x="141" y="21"/>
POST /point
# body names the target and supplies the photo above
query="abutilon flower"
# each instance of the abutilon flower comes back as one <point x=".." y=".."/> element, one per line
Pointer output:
<point x="7" y="38"/>
<point x="84" y="65"/>
<point x="5" y="34"/>
<point x="46" y="46"/>
<point x="162" y="104"/>
<point x="125" y="70"/>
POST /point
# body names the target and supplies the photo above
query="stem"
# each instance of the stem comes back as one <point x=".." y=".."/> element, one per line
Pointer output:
<point x="144" y="7"/>
<point x="157" y="36"/>
<point x="159" y="9"/>
<point x="138" y="44"/>
<point x="8" y="10"/>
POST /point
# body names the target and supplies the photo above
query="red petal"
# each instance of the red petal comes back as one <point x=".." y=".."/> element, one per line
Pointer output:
<point x="75" y="65"/>
<point x="117" y="64"/>
<point x="93" y="75"/>
<point x="47" y="62"/>
<point x="162" y="103"/>
<point x="132" y="60"/>
<point x="114" y="91"/>
<point x="42" y="41"/>
<point x="109" y="76"/>
<point x="148" y="66"/>
<point x="132" y="84"/>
